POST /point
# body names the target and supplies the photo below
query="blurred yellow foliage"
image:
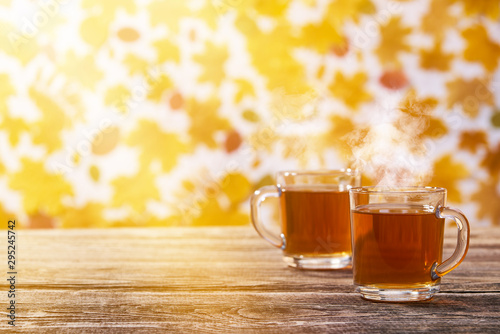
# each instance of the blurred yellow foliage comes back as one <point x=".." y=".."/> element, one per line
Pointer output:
<point x="135" y="191"/>
<point x="488" y="197"/>
<point x="447" y="174"/>
<point x="244" y="88"/>
<point x="166" y="50"/>
<point x="47" y="130"/>
<point x="205" y="121"/>
<point x="393" y="41"/>
<point x="41" y="190"/>
<point x="438" y="19"/>
<point x="212" y="60"/>
<point x="351" y="90"/>
<point x="435" y="59"/>
<point x="156" y="145"/>
<point x="481" y="48"/>
<point x="484" y="7"/>
<point x="469" y="94"/>
<point x="89" y="215"/>
<point x="191" y="88"/>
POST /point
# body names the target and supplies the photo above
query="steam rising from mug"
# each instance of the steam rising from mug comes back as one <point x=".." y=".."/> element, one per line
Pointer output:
<point x="391" y="150"/>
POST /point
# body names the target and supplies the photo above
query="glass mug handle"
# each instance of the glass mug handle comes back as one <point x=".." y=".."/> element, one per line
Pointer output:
<point x="258" y="197"/>
<point x="439" y="270"/>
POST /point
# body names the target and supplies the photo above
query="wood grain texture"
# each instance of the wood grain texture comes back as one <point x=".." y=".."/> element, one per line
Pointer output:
<point x="227" y="279"/>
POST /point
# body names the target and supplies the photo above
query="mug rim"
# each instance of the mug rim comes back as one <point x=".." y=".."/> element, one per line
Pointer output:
<point x="397" y="189"/>
<point x="320" y="172"/>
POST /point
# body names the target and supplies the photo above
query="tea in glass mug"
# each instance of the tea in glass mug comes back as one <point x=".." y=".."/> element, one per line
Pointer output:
<point x="314" y="211"/>
<point x="397" y="237"/>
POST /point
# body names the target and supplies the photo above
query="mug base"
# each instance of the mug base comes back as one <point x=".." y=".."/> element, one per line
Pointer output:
<point x="397" y="295"/>
<point x="319" y="263"/>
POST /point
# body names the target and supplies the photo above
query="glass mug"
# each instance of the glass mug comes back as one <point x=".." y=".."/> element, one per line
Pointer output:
<point x="397" y="238"/>
<point x="314" y="211"/>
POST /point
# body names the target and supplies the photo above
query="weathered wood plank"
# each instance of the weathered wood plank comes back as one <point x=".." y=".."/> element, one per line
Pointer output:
<point x="227" y="279"/>
<point x="275" y="312"/>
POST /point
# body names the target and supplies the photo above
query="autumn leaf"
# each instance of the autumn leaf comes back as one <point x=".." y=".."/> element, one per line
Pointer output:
<point x="117" y="96"/>
<point x="167" y="50"/>
<point x="14" y="127"/>
<point x="342" y="135"/>
<point x="161" y="86"/>
<point x="469" y="94"/>
<point x="447" y="174"/>
<point x="39" y="189"/>
<point x="128" y="34"/>
<point x="394" y="79"/>
<point x="327" y="35"/>
<point x="106" y="141"/>
<point x="6" y="215"/>
<point x="208" y="14"/>
<point x="436" y="128"/>
<point x="6" y="90"/>
<point x="212" y="214"/>
<point x="136" y="65"/>
<point x="110" y="7"/>
<point x="212" y="61"/>
<point x="274" y="9"/>
<point x="491" y="161"/>
<point x="47" y="130"/>
<point x="41" y="220"/>
<point x="263" y="138"/>
<point x="136" y="190"/>
<point x="274" y="60"/>
<point x="484" y="7"/>
<point x="243" y="88"/>
<point x="17" y="45"/>
<point x="495" y="119"/>
<point x="168" y="12"/>
<point x="286" y="105"/>
<point x="435" y="59"/>
<point x="89" y="215"/>
<point x="417" y="120"/>
<point x="438" y="19"/>
<point x="416" y="106"/>
<point x="487" y="199"/>
<point x="216" y="203"/>
<point x="95" y="28"/>
<point x="322" y="37"/>
<point x="205" y="121"/>
<point x="481" y="48"/>
<point x="94" y="173"/>
<point x="250" y="116"/>
<point x="233" y="141"/>
<point x="341" y="11"/>
<point x="157" y="145"/>
<point x="350" y="90"/>
<point x="176" y="101"/>
<point x="300" y="148"/>
<point x="340" y="50"/>
<point x="473" y="140"/>
<point x="392" y="41"/>
<point x="81" y="69"/>
<point x="236" y="187"/>
<point x="321" y="72"/>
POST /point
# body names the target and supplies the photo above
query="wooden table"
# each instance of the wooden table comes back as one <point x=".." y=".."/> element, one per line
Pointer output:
<point x="226" y="279"/>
